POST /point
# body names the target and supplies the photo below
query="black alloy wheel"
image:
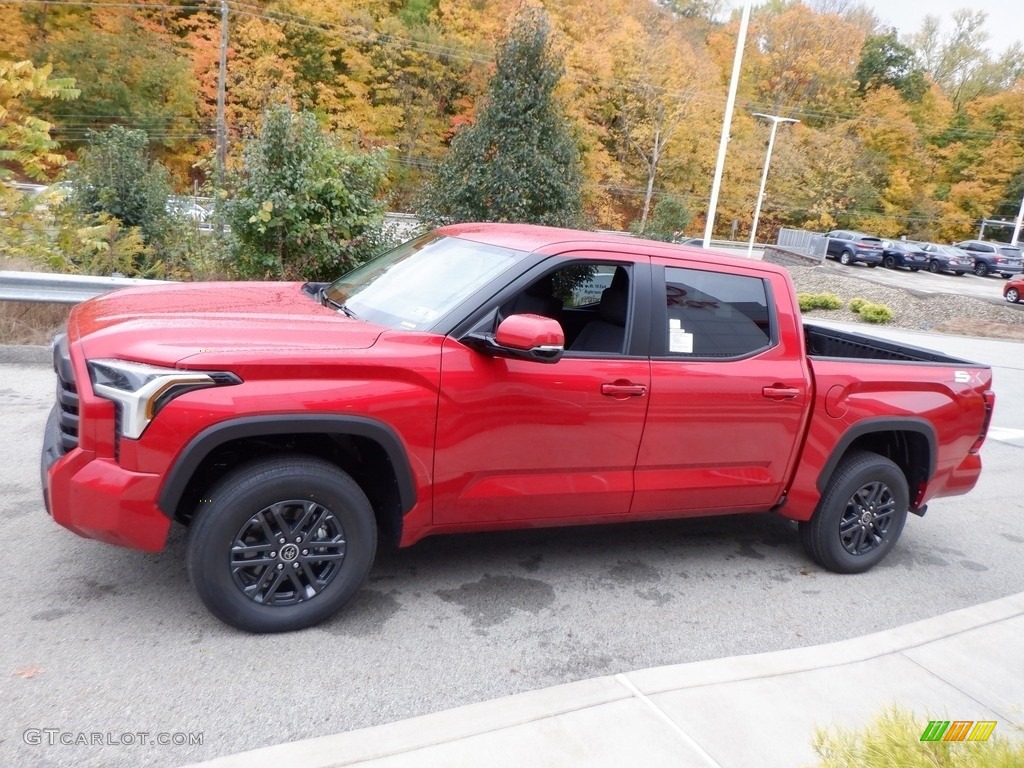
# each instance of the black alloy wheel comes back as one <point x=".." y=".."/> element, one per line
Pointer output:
<point x="288" y="552"/>
<point x="933" y="266"/>
<point x="860" y="515"/>
<point x="981" y="269"/>
<point x="281" y="543"/>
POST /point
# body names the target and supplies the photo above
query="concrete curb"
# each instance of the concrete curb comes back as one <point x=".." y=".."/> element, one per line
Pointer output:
<point x="25" y="354"/>
<point x="397" y="739"/>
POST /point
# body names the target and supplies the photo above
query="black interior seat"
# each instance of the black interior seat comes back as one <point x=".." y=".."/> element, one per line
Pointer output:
<point x="537" y="299"/>
<point x="607" y="333"/>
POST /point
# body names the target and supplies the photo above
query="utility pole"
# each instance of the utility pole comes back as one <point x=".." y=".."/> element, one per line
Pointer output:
<point x="727" y="121"/>
<point x="764" y="176"/>
<point x="222" y="131"/>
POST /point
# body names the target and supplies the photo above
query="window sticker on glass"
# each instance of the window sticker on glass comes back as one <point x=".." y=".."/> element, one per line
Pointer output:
<point x="678" y="339"/>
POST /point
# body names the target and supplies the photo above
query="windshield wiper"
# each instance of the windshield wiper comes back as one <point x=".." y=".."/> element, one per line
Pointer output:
<point x="327" y="300"/>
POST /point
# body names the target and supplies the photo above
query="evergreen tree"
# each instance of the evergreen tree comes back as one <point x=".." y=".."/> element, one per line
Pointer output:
<point x="518" y="162"/>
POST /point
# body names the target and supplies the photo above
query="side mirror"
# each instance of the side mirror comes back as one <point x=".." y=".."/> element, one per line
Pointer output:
<point x="524" y="337"/>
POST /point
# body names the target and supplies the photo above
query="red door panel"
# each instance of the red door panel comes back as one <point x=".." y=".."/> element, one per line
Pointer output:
<point x="518" y="440"/>
<point x="715" y="439"/>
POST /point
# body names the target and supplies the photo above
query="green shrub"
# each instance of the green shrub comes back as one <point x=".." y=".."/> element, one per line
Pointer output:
<point x="829" y="301"/>
<point x="875" y="313"/>
<point x="893" y="740"/>
<point x="809" y="301"/>
<point x="857" y="302"/>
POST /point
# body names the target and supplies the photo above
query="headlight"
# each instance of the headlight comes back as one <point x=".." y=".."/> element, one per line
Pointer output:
<point x="141" y="390"/>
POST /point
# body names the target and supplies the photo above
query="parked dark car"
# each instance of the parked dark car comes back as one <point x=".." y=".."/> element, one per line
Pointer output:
<point x="904" y="253"/>
<point x="1014" y="289"/>
<point x="947" y="258"/>
<point x="849" y="247"/>
<point x="992" y="257"/>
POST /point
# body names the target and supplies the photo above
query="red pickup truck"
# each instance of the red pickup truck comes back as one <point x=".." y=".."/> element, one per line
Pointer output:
<point x="487" y="377"/>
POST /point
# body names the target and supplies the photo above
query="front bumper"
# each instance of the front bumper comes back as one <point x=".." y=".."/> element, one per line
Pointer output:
<point x="98" y="499"/>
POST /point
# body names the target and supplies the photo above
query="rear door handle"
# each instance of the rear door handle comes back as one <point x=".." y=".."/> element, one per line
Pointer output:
<point x="624" y="390"/>
<point x="780" y="393"/>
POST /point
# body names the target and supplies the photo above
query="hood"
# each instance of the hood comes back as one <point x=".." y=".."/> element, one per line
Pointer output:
<point x="168" y="323"/>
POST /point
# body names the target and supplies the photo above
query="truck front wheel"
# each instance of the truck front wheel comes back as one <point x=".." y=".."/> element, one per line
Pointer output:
<point x="860" y="515"/>
<point x="281" y="544"/>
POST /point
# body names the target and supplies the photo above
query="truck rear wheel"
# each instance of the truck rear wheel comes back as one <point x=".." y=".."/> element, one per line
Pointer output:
<point x="860" y="515"/>
<point x="281" y="544"/>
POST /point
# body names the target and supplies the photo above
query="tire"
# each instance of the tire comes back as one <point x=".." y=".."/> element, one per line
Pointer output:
<point x="889" y="262"/>
<point x="980" y="269"/>
<point x="846" y="258"/>
<point x="933" y="267"/>
<point x="860" y="515"/>
<point x="295" y="500"/>
<point x="1012" y="295"/>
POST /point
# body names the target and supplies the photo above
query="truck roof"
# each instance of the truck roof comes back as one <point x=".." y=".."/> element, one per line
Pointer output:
<point x="554" y="240"/>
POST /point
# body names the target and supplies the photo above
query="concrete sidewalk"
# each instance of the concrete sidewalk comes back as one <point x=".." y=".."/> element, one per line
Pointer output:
<point x="737" y="712"/>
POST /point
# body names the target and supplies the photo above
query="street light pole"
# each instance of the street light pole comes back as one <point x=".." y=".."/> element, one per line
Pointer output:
<point x="764" y="176"/>
<point x="1016" y="226"/>
<point x="723" y="142"/>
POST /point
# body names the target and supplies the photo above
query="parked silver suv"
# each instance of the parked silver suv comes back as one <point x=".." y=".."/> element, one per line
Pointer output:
<point x="991" y="257"/>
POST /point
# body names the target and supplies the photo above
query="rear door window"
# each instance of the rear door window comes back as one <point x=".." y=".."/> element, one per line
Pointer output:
<point x="714" y="315"/>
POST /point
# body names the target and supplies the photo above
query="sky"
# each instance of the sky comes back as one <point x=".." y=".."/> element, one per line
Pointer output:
<point x="1005" y="23"/>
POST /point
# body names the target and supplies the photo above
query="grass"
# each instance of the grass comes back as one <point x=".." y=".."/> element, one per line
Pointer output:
<point x="893" y="740"/>
<point x="23" y="322"/>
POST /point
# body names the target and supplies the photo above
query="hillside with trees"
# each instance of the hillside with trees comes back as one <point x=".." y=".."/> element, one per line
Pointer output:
<point x="901" y="132"/>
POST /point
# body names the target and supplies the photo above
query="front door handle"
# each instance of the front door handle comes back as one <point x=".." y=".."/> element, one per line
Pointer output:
<point x="780" y="393"/>
<point x="624" y="390"/>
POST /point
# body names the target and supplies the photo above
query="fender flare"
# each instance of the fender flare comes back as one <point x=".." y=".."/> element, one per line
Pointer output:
<point x="877" y="425"/>
<point x="211" y="438"/>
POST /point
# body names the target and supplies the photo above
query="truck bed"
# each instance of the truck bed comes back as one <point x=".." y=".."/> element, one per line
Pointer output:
<point x="829" y="342"/>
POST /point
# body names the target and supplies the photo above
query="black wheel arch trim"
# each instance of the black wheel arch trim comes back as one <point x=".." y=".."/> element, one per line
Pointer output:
<point x="879" y="426"/>
<point x="211" y="438"/>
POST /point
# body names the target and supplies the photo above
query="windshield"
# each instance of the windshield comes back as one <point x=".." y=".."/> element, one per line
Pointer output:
<point x="413" y="285"/>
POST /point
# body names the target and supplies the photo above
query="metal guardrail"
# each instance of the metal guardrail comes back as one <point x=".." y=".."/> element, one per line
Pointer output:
<point x="61" y="289"/>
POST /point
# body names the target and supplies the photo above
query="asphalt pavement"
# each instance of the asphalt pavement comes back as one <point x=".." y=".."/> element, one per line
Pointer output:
<point x="958" y="675"/>
<point x="107" y="644"/>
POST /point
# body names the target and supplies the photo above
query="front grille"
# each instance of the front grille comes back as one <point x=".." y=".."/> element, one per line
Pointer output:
<point x="67" y="394"/>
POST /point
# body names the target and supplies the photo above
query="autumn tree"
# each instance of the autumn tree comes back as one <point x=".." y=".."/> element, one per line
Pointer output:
<point x="654" y="98"/>
<point x="26" y="149"/>
<point x="305" y="207"/>
<point x="128" y="76"/>
<point x="959" y="61"/>
<point x="806" y="59"/>
<point x="518" y="161"/>
<point x="25" y="142"/>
